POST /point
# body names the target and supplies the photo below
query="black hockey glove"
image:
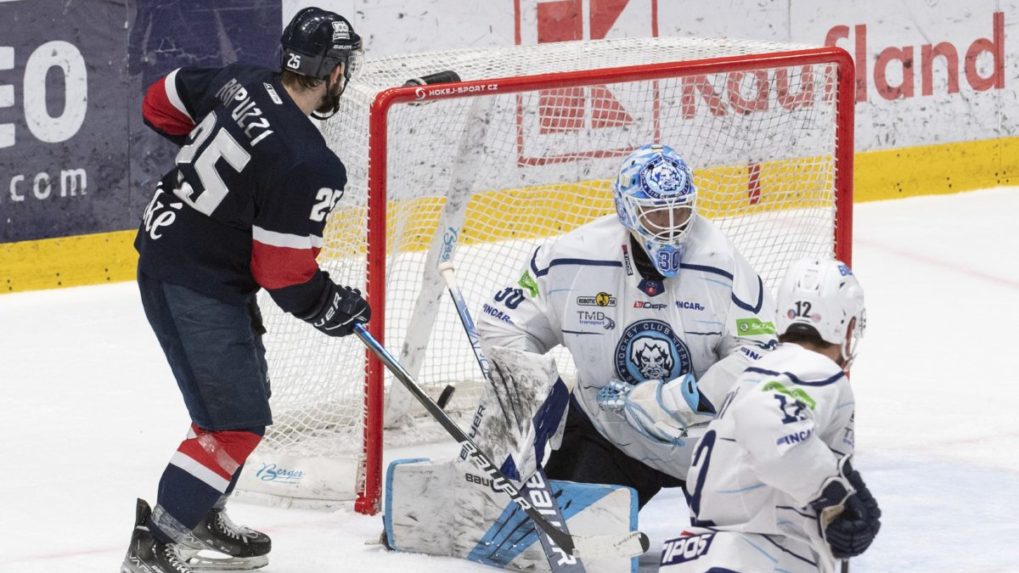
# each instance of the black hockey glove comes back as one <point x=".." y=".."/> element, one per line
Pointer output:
<point x="850" y="532"/>
<point x="338" y="310"/>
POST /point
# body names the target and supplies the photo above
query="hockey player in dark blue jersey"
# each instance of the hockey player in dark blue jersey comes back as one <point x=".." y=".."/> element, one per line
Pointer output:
<point x="243" y="208"/>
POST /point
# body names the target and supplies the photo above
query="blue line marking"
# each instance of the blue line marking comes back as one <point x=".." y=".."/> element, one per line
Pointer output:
<point x="761" y="549"/>
<point x="706" y="269"/>
<point x="796" y="380"/>
<point x="760" y="299"/>
<point x="784" y="550"/>
<point x="568" y="261"/>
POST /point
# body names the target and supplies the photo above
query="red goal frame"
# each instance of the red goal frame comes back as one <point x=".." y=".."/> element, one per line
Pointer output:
<point x="369" y="491"/>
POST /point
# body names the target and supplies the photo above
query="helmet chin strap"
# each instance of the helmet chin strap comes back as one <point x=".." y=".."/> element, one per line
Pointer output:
<point x="322" y="117"/>
<point x="847" y="351"/>
<point x="335" y="102"/>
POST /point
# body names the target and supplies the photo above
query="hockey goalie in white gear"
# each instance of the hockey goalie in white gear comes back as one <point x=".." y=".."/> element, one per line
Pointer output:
<point x="451" y="508"/>
<point x="771" y="486"/>
<point x="653" y="293"/>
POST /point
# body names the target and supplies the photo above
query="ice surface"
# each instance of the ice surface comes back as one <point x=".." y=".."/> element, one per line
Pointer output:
<point x="90" y="414"/>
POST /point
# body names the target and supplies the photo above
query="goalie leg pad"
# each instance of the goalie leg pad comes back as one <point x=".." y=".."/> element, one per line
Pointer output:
<point x="450" y="509"/>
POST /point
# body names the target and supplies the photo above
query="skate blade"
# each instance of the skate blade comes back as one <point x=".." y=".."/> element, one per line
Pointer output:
<point x="206" y="560"/>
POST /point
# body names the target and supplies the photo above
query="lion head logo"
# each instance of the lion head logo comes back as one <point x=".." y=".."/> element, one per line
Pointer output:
<point x="652" y="358"/>
<point x="650" y="350"/>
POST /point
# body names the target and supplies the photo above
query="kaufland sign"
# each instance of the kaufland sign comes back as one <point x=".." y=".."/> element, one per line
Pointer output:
<point x="927" y="71"/>
<point x="910" y="71"/>
<point x="607" y="113"/>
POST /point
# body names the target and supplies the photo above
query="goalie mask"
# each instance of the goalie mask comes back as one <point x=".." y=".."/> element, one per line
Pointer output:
<point x="655" y="198"/>
<point x="315" y="42"/>
<point x="824" y="295"/>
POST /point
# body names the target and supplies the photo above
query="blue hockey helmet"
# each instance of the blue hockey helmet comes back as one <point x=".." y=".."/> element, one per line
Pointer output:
<point x="655" y="199"/>
<point x="316" y="41"/>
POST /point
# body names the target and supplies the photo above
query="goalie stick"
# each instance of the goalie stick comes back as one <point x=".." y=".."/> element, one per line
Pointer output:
<point x="630" y="545"/>
<point x="552" y="551"/>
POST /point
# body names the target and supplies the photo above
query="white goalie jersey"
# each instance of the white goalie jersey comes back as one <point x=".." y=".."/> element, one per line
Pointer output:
<point x="583" y="291"/>
<point x="777" y="437"/>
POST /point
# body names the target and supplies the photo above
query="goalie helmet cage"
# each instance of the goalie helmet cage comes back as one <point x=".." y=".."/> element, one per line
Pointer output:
<point x="525" y="148"/>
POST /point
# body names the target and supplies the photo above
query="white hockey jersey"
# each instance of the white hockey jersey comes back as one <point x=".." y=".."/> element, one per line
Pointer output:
<point x="583" y="291"/>
<point x="778" y="436"/>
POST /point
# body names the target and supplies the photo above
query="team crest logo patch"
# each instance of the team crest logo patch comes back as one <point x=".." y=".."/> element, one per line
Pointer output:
<point x="341" y="31"/>
<point x="649" y="350"/>
<point x="651" y="287"/>
<point x="662" y="178"/>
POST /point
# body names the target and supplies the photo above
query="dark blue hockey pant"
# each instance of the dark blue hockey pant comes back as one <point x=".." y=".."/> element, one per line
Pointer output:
<point x="216" y="354"/>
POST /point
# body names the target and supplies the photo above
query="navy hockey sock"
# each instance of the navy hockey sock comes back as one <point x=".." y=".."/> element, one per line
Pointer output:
<point x="201" y="471"/>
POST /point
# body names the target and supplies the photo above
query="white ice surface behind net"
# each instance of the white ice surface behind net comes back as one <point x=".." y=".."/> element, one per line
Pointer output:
<point x="90" y="413"/>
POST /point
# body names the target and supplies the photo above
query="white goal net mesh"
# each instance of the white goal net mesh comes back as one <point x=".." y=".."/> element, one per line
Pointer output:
<point x="513" y="169"/>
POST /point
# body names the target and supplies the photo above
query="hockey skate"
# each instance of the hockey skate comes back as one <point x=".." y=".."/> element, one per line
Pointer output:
<point x="148" y="555"/>
<point x="219" y="544"/>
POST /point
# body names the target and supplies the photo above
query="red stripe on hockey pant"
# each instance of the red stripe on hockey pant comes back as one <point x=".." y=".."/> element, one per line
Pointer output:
<point x="280" y="267"/>
<point x="220" y="452"/>
<point x="161" y="114"/>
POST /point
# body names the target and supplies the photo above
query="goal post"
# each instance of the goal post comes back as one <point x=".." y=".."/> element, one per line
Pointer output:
<point x="522" y="150"/>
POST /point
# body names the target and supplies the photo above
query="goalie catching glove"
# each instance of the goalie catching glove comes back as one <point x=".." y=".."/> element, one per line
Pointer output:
<point x="339" y="308"/>
<point x="521" y="411"/>
<point x="848" y="514"/>
<point x="661" y="411"/>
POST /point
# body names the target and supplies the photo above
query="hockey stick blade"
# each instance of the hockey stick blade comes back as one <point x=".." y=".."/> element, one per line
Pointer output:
<point x="631" y="545"/>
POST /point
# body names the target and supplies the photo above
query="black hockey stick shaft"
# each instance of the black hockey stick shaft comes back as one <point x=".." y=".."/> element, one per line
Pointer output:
<point x="499" y="481"/>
